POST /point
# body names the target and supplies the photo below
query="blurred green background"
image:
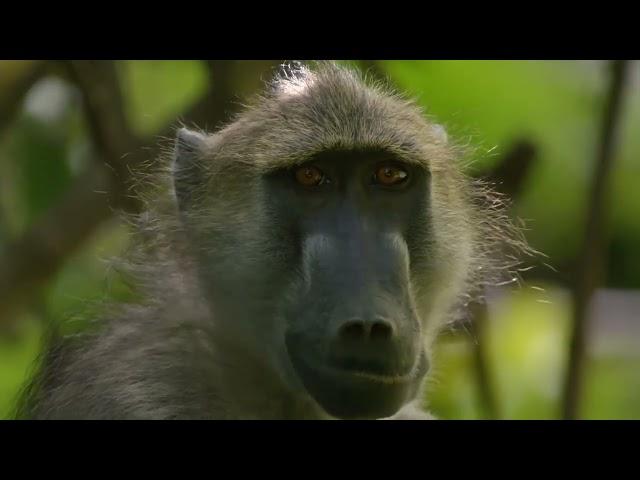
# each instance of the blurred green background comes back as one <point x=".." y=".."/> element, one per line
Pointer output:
<point x="50" y="137"/>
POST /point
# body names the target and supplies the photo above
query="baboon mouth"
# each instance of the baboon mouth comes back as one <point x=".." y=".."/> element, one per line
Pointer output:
<point x="416" y="372"/>
<point x="357" y="394"/>
<point x="377" y="378"/>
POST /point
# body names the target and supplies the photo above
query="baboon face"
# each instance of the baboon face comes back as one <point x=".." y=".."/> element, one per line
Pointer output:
<point x="318" y="225"/>
<point x="352" y="332"/>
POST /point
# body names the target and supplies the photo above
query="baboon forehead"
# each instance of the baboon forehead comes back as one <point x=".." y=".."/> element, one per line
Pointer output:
<point x="306" y="111"/>
<point x="320" y="84"/>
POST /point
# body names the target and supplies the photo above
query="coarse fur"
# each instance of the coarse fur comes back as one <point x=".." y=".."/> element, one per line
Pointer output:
<point x="166" y="356"/>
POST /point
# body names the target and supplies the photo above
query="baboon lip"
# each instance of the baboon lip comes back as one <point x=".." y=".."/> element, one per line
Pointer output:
<point x="375" y="377"/>
<point x="417" y="370"/>
<point x="364" y="376"/>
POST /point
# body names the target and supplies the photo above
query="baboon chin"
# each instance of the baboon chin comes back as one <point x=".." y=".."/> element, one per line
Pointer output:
<point x="296" y="264"/>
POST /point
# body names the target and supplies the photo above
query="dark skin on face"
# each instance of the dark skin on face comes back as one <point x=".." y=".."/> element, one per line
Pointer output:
<point x="353" y="336"/>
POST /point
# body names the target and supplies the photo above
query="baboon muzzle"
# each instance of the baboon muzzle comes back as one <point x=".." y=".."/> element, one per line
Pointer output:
<point x="355" y="343"/>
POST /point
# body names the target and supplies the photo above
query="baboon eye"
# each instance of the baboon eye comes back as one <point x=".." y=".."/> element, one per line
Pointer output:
<point x="390" y="175"/>
<point x="310" y="176"/>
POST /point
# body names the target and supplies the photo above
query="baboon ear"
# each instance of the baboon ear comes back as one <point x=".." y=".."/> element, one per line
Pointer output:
<point x="187" y="172"/>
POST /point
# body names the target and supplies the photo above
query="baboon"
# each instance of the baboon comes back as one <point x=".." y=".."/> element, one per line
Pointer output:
<point x="298" y="264"/>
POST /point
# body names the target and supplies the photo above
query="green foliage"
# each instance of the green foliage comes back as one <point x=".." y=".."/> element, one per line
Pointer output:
<point x="526" y="340"/>
<point x="16" y="362"/>
<point x="41" y="146"/>
<point x="158" y="91"/>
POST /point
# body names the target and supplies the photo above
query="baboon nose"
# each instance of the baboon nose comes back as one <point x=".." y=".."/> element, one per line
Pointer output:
<point x="355" y="330"/>
<point x="375" y="345"/>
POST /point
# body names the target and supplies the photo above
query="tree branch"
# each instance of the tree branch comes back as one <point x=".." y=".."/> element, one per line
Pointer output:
<point x="509" y="175"/>
<point x="16" y="78"/>
<point x="32" y="259"/>
<point x="110" y="133"/>
<point x="591" y="262"/>
<point x="477" y="326"/>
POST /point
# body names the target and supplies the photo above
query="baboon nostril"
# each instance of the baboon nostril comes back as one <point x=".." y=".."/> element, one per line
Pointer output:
<point x="361" y="330"/>
<point x="381" y="331"/>
<point x="353" y="330"/>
